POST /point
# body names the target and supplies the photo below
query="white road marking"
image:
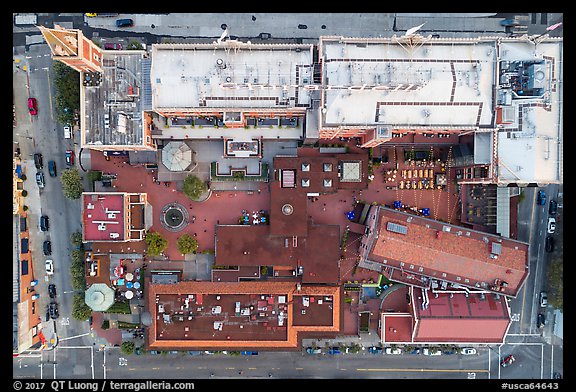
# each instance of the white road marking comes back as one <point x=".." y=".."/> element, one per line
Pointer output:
<point x="72" y="337"/>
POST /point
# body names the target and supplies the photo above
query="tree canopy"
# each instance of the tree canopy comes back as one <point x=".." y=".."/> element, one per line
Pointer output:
<point x="187" y="244"/>
<point x="72" y="184"/>
<point x="194" y="187"/>
<point x="156" y="243"/>
<point x="127" y="348"/>
<point x="556" y="283"/>
<point x="80" y="311"/>
<point x="67" y="94"/>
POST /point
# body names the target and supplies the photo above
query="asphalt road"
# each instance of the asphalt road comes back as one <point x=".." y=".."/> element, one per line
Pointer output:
<point x="42" y="134"/>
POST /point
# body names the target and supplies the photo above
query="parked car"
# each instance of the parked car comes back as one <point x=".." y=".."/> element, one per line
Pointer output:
<point x="112" y="46"/>
<point x="32" y="106"/>
<point x="40" y="179"/>
<point x="428" y="351"/>
<point x="553" y="207"/>
<point x="194" y="352"/>
<point x="549" y="244"/>
<point x="124" y="23"/>
<point x="509" y="360"/>
<point x="509" y="22"/>
<point x="53" y="309"/>
<point x="52" y="168"/>
<point x="249" y="352"/>
<point x="416" y="351"/>
<point x="47" y="247"/>
<point x="44" y="224"/>
<point x="551" y="225"/>
<point x="334" y="351"/>
<point x="69" y="157"/>
<point x="154" y="352"/>
<point x="38" y="161"/>
<point x="67" y="132"/>
<point x="49" y="267"/>
<point x="375" y="350"/>
<point x="468" y="351"/>
<point x="541" y="198"/>
<point x="52" y="290"/>
<point x="543" y="299"/>
<point x="541" y="320"/>
<point x="393" y="351"/>
<point x="311" y="350"/>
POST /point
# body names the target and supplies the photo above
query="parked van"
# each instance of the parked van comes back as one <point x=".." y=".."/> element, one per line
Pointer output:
<point x="67" y="132"/>
<point x="124" y="23"/>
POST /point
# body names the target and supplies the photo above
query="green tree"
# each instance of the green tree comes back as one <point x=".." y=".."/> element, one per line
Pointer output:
<point x="556" y="283"/>
<point x="187" y="244"/>
<point x="80" y="311"/>
<point x="194" y="187"/>
<point x="67" y="92"/>
<point x="127" y="348"/>
<point x="72" y="184"/>
<point x="156" y="243"/>
<point x="76" y="239"/>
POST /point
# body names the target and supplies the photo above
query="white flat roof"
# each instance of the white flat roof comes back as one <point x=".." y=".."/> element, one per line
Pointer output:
<point x="230" y="75"/>
<point x="532" y="151"/>
<point x="433" y="84"/>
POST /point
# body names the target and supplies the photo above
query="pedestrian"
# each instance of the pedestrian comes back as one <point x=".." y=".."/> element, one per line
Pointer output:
<point x="195" y="235"/>
<point x="204" y="230"/>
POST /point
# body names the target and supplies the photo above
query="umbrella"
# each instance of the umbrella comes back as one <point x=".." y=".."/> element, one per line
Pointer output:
<point x="176" y="156"/>
<point x="129" y="276"/>
<point x="129" y="285"/>
<point x="136" y="285"/>
<point x="99" y="297"/>
<point x="351" y="215"/>
<point x="397" y="204"/>
<point x="129" y="294"/>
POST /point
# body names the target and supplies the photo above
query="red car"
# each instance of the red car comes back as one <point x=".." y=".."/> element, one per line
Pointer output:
<point x="507" y="361"/>
<point x="32" y="107"/>
<point x="112" y="46"/>
<point x="69" y="157"/>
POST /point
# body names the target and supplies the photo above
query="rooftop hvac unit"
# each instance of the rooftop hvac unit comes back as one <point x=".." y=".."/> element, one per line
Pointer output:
<point x="396" y="228"/>
<point x="90" y="206"/>
<point x="114" y="235"/>
<point x="101" y="227"/>
<point x="446" y="229"/>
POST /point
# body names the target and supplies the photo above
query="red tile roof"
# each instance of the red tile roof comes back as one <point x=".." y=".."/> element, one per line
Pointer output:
<point x="460" y="318"/>
<point x="454" y="254"/>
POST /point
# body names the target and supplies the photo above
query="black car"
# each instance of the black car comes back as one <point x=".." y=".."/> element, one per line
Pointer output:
<point x="47" y="247"/>
<point x="53" y="309"/>
<point x="124" y="23"/>
<point x="549" y="244"/>
<point x="541" y="321"/>
<point x="44" y="225"/>
<point x="38" y="161"/>
<point x="553" y="207"/>
<point x="52" y="290"/>
<point x="52" y="168"/>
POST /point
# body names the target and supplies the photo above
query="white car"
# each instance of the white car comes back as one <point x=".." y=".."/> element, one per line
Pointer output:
<point x="49" y="267"/>
<point x="551" y="225"/>
<point x="427" y="351"/>
<point x="468" y="351"/>
<point x="393" y="351"/>
<point x="67" y="132"/>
